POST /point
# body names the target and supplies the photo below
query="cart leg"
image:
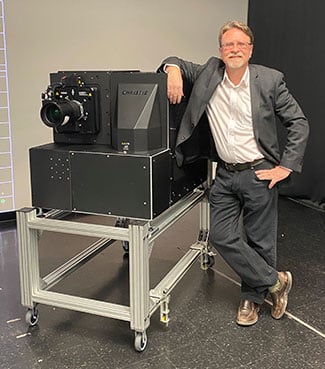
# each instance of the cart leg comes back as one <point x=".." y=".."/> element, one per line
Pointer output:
<point x="123" y="223"/>
<point x="207" y="256"/>
<point x="139" y="283"/>
<point x="28" y="256"/>
<point x="205" y="216"/>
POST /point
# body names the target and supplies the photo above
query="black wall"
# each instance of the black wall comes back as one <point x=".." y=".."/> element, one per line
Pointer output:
<point x="290" y="36"/>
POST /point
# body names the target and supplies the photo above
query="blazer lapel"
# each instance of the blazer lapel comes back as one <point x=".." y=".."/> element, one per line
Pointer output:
<point x="215" y="79"/>
<point x="255" y="98"/>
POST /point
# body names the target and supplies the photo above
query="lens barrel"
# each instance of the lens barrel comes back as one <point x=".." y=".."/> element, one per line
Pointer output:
<point x="58" y="113"/>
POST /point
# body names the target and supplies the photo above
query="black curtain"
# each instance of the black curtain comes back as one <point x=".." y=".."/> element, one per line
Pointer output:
<point x="290" y="36"/>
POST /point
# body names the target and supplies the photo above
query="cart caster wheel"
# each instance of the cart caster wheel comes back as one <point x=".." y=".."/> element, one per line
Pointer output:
<point x="140" y="341"/>
<point x="32" y="317"/>
<point x="208" y="262"/>
<point x="125" y="245"/>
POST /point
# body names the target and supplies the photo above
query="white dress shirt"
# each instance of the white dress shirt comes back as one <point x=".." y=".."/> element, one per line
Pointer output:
<point x="230" y="118"/>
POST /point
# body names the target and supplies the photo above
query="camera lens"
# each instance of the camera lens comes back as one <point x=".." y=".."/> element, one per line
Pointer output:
<point x="58" y="113"/>
<point x="54" y="114"/>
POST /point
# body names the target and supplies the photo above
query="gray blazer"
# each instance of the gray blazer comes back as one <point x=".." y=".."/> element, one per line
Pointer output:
<point x="270" y="100"/>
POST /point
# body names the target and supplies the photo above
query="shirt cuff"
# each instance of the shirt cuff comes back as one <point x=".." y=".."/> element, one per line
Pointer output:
<point x="290" y="170"/>
<point x="170" y="65"/>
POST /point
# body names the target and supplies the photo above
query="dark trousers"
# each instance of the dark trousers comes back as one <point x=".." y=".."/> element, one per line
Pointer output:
<point x="253" y="257"/>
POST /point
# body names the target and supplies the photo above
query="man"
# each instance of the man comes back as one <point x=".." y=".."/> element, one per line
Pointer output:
<point x="237" y="104"/>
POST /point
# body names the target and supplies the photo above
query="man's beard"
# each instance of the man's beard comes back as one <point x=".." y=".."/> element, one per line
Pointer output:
<point x="236" y="63"/>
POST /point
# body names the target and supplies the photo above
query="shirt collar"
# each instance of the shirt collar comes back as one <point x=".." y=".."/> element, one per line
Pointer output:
<point x="243" y="82"/>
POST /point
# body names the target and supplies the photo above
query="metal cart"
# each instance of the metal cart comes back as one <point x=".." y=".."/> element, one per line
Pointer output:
<point x="139" y="235"/>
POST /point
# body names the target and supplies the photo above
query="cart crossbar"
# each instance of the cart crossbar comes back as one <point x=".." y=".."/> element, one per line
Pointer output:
<point x="82" y="304"/>
<point x="75" y="262"/>
<point x="79" y="228"/>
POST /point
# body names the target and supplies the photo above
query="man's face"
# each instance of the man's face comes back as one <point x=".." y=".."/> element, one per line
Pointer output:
<point x="235" y="50"/>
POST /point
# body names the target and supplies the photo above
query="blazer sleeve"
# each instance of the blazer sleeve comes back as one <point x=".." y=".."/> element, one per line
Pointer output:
<point x="292" y="117"/>
<point x="190" y="71"/>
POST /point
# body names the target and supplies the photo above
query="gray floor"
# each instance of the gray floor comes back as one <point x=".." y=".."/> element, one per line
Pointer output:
<point x="202" y="332"/>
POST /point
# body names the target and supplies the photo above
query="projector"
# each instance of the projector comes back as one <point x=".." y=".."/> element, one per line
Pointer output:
<point x="113" y="149"/>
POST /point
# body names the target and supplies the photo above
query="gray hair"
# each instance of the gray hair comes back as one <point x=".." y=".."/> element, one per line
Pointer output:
<point x="239" y="25"/>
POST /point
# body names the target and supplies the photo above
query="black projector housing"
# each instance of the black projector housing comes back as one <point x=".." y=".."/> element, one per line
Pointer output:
<point x="114" y="137"/>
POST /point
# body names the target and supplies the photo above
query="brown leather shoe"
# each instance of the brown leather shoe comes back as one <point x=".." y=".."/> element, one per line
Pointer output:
<point x="280" y="296"/>
<point x="247" y="313"/>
